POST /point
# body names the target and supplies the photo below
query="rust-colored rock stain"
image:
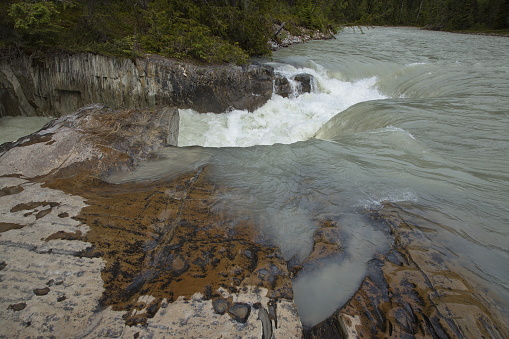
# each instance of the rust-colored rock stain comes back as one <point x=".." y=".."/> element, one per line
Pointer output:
<point x="411" y="292"/>
<point x="162" y="239"/>
<point x="7" y="226"/>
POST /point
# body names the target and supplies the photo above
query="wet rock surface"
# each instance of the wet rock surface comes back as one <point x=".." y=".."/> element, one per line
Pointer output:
<point x="411" y="292"/>
<point x="127" y="260"/>
<point x="80" y="257"/>
<point x="294" y="86"/>
<point x="326" y="241"/>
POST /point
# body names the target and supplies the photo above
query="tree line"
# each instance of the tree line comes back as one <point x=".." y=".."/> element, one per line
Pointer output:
<point x="432" y="14"/>
<point x="216" y="31"/>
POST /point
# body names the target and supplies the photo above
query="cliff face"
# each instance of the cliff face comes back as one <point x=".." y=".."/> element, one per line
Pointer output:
<point x="55" y="85"/>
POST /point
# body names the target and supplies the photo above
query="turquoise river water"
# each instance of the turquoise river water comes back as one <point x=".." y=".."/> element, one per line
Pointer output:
<point x="399" y="115"/>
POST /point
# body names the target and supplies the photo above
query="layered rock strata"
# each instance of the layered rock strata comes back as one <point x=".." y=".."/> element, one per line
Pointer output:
<point x="59" y="84"/>
<point x="412" y="292"/>
<point x="84" y="258"/>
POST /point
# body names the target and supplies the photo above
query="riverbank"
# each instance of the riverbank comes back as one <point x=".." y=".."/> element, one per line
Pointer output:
<point x="209" y="241"/>
<point x="84" y="257"/>
<point x="81" y="257"/>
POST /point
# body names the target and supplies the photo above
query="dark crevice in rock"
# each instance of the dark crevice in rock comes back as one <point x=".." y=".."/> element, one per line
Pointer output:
<point x="11" y="190"/>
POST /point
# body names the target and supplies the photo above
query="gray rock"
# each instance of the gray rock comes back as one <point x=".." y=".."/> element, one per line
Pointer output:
<point x="95" y="136"/>
<point x="220" y="305"/>
<point x="302" y="83"/>
<point x="305" y="82"/>
<point x="240" y="312"/>
<point x="55" y="85"/>
<point x="282" y="86"/>
<point x="263" y="316"/>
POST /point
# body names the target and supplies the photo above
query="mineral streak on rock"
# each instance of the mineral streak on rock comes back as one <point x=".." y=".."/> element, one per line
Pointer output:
<point x="6" y="226"/>
<point x="408" y="292"/>
<point x="77" y="235"/>
<point x="10" y="190"/>
<point x="128" y="254"/>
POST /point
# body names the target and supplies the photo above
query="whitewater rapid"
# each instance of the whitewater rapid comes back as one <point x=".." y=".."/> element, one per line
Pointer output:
<point x="395" y="115"/>
<point x="280" y="120"/>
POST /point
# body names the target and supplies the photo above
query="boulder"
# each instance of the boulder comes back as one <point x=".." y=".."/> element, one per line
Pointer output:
<point x="293" y="86"/>
<point x="96" y="137"/>
<point x="305" y="82"/>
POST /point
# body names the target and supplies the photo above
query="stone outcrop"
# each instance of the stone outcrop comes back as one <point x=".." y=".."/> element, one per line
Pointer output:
<point x="105" y="140"/>
<point x="294" y="86"/>
<point x="284" y="38"/>
<point x="84" y="258"/>
<point x="81" y="257"/>
<point x="59" y="84"/>
<point x="412" y="292"/>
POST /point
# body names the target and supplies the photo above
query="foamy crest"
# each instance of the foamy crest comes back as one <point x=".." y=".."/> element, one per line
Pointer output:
<point x="280" y="120"/>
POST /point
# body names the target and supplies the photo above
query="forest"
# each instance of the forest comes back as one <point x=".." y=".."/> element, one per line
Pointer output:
<point x="218" y="31"/>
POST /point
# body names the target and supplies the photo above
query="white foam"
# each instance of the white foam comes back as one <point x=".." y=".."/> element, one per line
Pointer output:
<point x="377" y="198"/>
<point x="280" y="120"/>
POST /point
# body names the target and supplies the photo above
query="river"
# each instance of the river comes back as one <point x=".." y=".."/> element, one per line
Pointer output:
<point x="400" y="115"/>
<point x="397" y="114"/>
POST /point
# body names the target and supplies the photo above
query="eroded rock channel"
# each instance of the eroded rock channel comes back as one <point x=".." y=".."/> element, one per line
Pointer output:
<point x="81" y="257"/>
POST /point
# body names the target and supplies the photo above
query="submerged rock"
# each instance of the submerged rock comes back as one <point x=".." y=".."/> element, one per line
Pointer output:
<point x="326" y="243"/>
<point x="410" y="292"/>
